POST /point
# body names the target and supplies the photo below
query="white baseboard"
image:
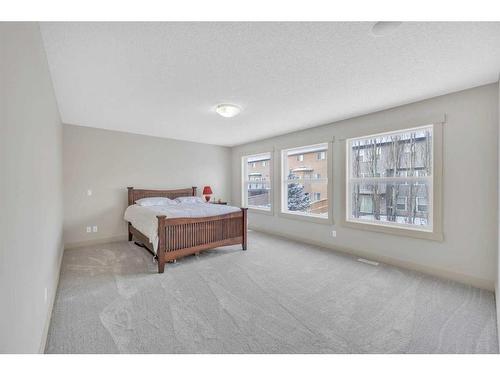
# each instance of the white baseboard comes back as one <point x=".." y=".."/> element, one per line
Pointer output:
<point x="98" y="241"/>
<point x="52" y="300"/>
<point x="497" y="301"/>
<point x="445" y="274"/>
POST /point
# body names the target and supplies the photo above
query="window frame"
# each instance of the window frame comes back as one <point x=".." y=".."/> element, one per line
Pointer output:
<point x="435" y="216"/>
<point x="283" y="181"/>
<point x="244" y="181"/>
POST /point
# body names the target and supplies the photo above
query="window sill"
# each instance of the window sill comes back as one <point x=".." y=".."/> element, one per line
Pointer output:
<point x="254" y="210"/>
<point x="397" y="231"/>
<point x="311" y="219"/>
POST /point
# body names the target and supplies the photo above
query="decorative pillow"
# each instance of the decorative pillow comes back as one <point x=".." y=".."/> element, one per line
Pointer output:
<point x="190" y="200"/>
<point x="155" y="201"/>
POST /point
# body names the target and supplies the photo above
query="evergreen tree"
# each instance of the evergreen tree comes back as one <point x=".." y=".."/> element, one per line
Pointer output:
<point x="298" y="200"/>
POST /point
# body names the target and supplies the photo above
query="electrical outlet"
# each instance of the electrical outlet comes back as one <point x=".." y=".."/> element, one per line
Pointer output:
<point x="94" y="228"/>
<point x="46" y="294"/>
<point x="334" y="233"/>
<point x="89" y="229"/>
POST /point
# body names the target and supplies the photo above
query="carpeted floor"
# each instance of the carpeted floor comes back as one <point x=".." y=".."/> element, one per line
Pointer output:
<point x="277" y="297"/>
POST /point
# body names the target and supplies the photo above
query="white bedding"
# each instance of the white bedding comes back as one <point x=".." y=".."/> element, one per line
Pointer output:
<point x="144" y="218"/>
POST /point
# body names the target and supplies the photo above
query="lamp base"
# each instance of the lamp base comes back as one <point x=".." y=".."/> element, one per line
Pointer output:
<point x="207" y="198"/>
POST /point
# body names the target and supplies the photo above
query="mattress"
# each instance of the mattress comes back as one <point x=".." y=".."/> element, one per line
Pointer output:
<point x="145" y="220"/>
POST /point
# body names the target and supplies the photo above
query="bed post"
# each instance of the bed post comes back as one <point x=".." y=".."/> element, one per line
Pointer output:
<point x="130" y="195"/>
<point x="194" y="191"/>
<point x="160" y="252"/>
<point x="130" y="202"/>
<point x="244" y="223"/>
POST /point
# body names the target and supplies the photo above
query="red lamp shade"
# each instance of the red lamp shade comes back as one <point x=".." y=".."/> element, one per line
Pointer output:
<point x="207" y="190"/>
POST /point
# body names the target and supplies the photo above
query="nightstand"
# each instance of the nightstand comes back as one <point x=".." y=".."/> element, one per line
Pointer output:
<point x="216" y="202"/>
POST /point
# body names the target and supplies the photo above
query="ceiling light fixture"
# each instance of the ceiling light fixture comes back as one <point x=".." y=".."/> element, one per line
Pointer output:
<point x="227" y="110"/>
<point x="385" y="28"/>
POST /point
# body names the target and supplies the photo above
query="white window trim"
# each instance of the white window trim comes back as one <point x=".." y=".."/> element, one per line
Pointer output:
<point x="435" y="202"/>
<point x="282" y="204"/>
<point x="244" y="191"/>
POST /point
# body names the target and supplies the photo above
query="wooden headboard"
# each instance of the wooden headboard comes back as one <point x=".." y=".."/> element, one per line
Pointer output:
<point x="135" y="194"/>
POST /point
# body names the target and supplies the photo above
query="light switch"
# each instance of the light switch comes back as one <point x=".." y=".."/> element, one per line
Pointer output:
<point x="94" y="228"/>
<point x="89" y="192"/>
<point x="89" y="229"/>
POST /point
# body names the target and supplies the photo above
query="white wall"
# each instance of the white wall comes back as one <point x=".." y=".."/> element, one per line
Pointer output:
<point x="30" y="190"/>
<point x="106" y="162"/>
<point x="470" y="164"/>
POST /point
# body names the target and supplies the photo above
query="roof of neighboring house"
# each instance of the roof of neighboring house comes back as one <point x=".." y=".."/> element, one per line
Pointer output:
<point x="263" y="157"/>
<point x="307" y="150"/>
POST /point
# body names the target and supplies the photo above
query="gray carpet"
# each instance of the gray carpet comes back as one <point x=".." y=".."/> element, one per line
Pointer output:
<point x="277" y="297"/>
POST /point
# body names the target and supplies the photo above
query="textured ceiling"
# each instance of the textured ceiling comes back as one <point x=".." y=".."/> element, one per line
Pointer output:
<point x="164" y="79"/>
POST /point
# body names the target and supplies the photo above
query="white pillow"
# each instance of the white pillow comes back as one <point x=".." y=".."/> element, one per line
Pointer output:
<point x="155" y="201"/>
<point x="190" y="200"/>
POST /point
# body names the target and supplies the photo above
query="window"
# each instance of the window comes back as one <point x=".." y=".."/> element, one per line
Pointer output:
<point x="393" y="187"/>
<point x="256" y="192"/>
<point x="401" y="203"/>
<point x="421" y="204"/>
<point x="304" y="191"/>
<point x="366" y="205"/>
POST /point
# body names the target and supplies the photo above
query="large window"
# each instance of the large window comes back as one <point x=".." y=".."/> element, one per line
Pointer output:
<point x="257" y="181"/>
<point x="304" y="181"/>
<point x="390" y="179"/>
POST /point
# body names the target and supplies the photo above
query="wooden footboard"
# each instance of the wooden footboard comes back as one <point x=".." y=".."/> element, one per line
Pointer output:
<point x="179" y="237"/>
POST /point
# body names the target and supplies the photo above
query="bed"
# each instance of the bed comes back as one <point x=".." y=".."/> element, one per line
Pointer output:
<point x="170" y="234"/>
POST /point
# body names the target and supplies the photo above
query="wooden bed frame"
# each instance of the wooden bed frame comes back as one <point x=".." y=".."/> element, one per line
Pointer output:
<point x="178" y="237"/>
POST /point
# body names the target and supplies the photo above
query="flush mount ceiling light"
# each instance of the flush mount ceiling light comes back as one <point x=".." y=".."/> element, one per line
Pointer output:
<point x="227" y="110"/>
<point x="385" y="28"/>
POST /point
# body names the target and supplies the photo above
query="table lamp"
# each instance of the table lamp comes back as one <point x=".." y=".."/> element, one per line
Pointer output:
<point x="207" y="191"/>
